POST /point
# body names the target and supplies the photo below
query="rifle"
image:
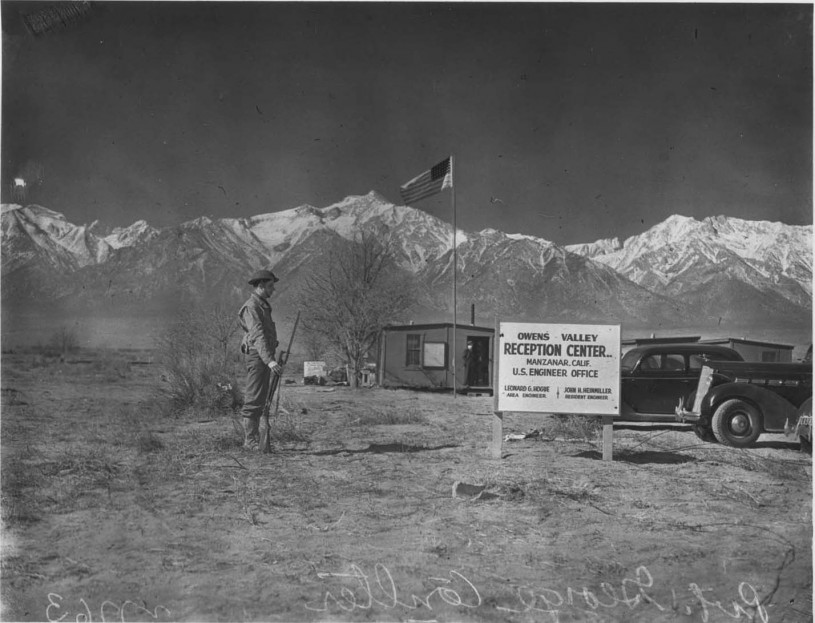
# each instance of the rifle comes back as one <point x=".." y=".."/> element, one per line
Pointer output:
<point x="273" y="386"/>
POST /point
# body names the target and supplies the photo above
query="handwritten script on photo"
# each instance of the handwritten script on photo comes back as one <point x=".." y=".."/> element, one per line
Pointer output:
<point x="354" y="589"/>
<point x="60" y="609"/>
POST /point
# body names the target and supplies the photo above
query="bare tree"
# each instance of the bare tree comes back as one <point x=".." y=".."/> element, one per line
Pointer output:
<point x="354" y="295"/>
<point x="315" y="345"/>
<point x="221" y="321"/>
<point x="65" y="341"/>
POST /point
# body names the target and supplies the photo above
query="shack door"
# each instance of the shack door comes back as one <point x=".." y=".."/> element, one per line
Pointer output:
<point x="478" y="361"/>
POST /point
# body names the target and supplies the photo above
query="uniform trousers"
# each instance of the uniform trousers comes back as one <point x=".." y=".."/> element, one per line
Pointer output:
<point x="258" y="377"/>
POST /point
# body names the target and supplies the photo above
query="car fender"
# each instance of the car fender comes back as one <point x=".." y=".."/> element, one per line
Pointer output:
<point x="775" y="410"/>
<point x="705" y="408"/>
<point x="803" y="426"/>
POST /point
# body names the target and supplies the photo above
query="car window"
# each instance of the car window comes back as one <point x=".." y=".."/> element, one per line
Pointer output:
<point x="663" y="362"/>
<point x="673" y="362"/>
<point x="629" y="360"/>
<point x="650" y="363"/>
<point x="696" y="362"/>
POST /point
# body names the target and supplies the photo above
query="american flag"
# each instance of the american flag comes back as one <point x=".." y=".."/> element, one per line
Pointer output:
<point x="428" y="183"/>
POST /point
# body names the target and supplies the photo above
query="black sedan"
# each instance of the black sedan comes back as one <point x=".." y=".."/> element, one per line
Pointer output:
<point x="655" y="377"/>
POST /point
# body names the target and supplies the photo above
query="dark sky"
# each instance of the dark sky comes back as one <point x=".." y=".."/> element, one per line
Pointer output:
<point x="572" y="122"/>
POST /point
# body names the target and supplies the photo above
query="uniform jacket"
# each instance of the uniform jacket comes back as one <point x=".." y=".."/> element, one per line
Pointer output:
<point x="260" y="333"/>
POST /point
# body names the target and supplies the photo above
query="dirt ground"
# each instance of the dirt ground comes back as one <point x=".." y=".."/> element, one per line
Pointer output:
<point x="113" y="512"/>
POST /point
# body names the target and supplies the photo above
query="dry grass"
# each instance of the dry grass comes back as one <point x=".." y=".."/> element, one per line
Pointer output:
<point x="148" y="442"/>
<point x="347" y="483"/>
<point x="575" y="427"/>
<point x="20" y="502"/>
<point x="374" y="415"/>
<point x="286" y="420"/>
<point x="111" y="367"/>
<point x="778" y="469"/>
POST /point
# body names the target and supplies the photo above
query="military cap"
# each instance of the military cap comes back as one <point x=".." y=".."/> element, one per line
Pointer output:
<point x="262" y="275"/>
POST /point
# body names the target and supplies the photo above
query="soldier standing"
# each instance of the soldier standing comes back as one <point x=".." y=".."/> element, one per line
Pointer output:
<point x="258" y="347"/>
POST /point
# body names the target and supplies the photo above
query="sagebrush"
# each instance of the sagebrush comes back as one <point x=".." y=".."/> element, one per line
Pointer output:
<point x="197" y="352"/>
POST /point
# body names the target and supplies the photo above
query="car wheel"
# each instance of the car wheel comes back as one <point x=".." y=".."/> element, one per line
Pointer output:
<point x="736" y="423"/>
<point x="704" y="433"/>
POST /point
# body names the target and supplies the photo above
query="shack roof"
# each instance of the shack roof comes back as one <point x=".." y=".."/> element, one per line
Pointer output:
<point x="437" y="325"/>
<point x="739" y="340"/>
<point x="642" y="341"/>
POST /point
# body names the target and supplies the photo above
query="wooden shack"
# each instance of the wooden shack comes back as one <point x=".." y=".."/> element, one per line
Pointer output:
<point x="421" y="356"/>
<point x="629" y="343"/>
<point x="755" y="350"/>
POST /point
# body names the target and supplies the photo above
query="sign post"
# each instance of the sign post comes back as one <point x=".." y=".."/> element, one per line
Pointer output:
<point x="498" y="416"/>
<point x="557" y="368"/>
<point x="497" y="434"/>
<point x="608" y="437"/>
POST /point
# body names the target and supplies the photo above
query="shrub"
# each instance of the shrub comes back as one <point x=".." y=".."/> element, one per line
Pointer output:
<point x="195" y="353"/>
<point x="582" y="427"/>
<point x="286" y="425"/>
<point x="63" y="341"/>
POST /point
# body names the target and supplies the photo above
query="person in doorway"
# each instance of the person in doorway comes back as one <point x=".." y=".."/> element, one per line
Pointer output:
<point x="482" y="372"/>
<point x="470" y="365"/>
<point x="258" y="347"/>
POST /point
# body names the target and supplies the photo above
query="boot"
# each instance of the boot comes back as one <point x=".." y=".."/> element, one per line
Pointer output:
<point x="251" y="433"/>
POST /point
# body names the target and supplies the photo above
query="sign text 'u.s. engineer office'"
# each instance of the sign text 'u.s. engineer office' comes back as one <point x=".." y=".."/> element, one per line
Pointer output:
<point x="559" y="368"/>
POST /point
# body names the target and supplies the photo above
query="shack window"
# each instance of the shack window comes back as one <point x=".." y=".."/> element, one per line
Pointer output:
<point x="435" y="355"/>
<point x="413" y="350"/>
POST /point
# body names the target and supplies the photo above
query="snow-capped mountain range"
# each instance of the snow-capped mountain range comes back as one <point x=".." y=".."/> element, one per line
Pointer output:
<point x="679" y="270"/>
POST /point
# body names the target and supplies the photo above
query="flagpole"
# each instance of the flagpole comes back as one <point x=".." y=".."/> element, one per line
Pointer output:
<point x="455" y="271"/>
<point x="423" y="185"/>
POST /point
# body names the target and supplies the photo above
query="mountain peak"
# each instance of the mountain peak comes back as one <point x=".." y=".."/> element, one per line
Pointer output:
<point x="201" y="221"/>
<point x="308" y="210"/>
<point x="375" y="196"/>
<point x="675" y="265"/>
<point x="603" y="246"/>
<point x="34" y="211"/>
<point x="362" y="202"/>
<point x="9" y="207"/>
<point x="680" y="255"/>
